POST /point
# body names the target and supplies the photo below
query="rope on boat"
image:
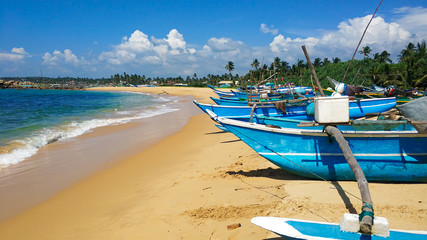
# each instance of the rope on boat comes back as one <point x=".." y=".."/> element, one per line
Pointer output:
<point x="302" y="167"/>
<point x="366" y="211"/>
<point x="281" y="198"/>
<point x="355" y="51"/>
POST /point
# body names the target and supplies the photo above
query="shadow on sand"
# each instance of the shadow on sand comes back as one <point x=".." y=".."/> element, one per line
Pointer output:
<point x="274" y="173"/>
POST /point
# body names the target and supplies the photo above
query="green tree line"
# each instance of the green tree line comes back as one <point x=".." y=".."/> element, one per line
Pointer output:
<point x="408" y="72"/>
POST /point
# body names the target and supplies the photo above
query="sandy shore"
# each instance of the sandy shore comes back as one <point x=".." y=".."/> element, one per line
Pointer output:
<point x="193" y="184"/>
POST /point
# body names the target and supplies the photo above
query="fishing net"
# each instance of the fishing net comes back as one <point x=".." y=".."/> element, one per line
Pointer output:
<point x="416" y="111"/>
<point x="379" y="125"/>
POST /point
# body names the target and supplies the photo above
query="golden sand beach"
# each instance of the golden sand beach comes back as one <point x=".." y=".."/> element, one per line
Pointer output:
<point x="194" y="183"/>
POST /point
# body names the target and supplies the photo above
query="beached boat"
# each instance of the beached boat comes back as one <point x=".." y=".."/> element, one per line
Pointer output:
<point x="274" y="93"/>
<point x="221" y="93"/>
<point x="237" y="102"/>
<point x="383" y="155"/>
<point x="402" y="97"/>
<point x="302" y="229"/>
<point x="245" y="111"/>
<point x="307" y="122"/>
<point x="357" y="108"/>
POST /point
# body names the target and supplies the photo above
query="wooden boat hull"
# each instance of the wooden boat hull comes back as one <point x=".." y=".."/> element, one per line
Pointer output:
<point x="245" y="111"/>
<point x="301" y="229"/>
<point x="356" y="108"/>
<point x="397" y="156"/>
<point x="221" y="93"/>
<point x="362" y="125"/>
<point x="232" y="102"/>
<point x="399" y="99"/>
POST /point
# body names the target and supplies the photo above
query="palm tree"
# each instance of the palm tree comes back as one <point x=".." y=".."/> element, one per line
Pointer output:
<point x="255" y="64"/>
<point x="317" y="62"/>
<point x="385" y="57"/>
<point x="284" y="65"/>
<point x="276" y="63"/>
<point x="326" y="61"/>
<point x="230" y="67"/>
<point x="336" y="60"/>
<point x="300" y="69"/>
<point x="382" y="57"/>
<point x="421" y="50"/>
<point x="365" y="51"/>
<point x="414" y="60"/>
<point x="406" y="53"/>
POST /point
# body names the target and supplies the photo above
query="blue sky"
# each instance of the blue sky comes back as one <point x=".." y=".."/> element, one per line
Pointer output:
<point x="179" y="38"/>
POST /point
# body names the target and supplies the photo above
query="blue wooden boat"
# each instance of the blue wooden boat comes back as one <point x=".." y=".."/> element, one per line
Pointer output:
<point x="221" y="93"/>
<point x="272" y="94"/>
<point x="305" y="122"/>
<point x="357" y="108"/>
<point x="245" y="111"/>
<point x="383" y="155"/>
<point x="300" y="90"/>
<point x="361" y="107"/>
<point x="235" y="102"/>
<point x="302" y="229"/>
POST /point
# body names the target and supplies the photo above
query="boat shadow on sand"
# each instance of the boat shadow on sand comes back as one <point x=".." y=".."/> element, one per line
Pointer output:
<point x="281" y="174"/>
<point x="274" y="173"/>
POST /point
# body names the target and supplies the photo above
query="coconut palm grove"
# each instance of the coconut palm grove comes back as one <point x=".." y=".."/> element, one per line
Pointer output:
<point x="408" y="72"/>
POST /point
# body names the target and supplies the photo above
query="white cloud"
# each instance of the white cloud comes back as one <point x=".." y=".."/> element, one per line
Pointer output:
<point x="414" y="20"/>
<point x="282" y="44"/>
<point x="224" y="44"/>
<point x="176" y="40"/>
<point x="171" y="54"/>
<point x="139" y="49"/>
<point x="15" y="55"/>
<point x="342" y="42"/>
<point x="379" y="32"/>
<point x="265" y="29"/>
<point x="19" y="51"/>
<point x="57" y="57"/>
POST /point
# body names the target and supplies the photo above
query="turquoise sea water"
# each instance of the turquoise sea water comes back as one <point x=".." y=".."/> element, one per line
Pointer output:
<point x="31" y="119"/>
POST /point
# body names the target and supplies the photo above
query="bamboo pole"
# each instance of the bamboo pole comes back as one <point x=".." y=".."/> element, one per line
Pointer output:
<point x="250" y="91"/>
<point x="312" y="70"/>
<point x="367" y="215"/>
<point x="252" y="113"/>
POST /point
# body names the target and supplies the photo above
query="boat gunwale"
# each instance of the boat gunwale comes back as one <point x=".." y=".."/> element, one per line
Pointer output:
<point x="305" y="132"/>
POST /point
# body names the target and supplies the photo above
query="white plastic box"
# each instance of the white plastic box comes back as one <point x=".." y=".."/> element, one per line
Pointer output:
<point x="331" y="109"/>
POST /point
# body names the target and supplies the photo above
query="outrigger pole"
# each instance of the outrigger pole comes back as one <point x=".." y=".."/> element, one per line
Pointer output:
<point x="367" y="216"/>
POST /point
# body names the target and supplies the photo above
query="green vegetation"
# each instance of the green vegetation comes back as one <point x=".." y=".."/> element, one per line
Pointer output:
<point x="409" y="72"/>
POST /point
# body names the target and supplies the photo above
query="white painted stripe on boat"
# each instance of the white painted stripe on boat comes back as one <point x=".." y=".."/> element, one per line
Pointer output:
<point x="358" y="134"/>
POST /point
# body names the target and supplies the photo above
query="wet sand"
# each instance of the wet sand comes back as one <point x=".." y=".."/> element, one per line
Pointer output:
<point x="194" y="183"/>
<point x="63" y="163"/>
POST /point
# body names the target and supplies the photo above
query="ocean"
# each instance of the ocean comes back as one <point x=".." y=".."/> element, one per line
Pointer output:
<point x="31" y="118"/>
<point x="52" y="139"/>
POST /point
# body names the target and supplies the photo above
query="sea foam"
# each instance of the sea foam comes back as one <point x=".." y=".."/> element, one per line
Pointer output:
<point x="27" y="147"/>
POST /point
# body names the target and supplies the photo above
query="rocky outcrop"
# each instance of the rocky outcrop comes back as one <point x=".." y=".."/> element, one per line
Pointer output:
<point x="8" y="84"/>
<point x="23" y="85"/>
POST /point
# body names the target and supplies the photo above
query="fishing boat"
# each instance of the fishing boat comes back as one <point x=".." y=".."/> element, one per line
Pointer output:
<point x="308" y="122"/>
<point x="240" y="102"/>
<point x="245" y="111"/>
<point x="221" y="93"/>
<point x="302" y="229"/>
<point x="391" y="156"/>
<point x="376" y="91"/>
<point x="357" y="108"/>
<point x="263" y="94"/>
